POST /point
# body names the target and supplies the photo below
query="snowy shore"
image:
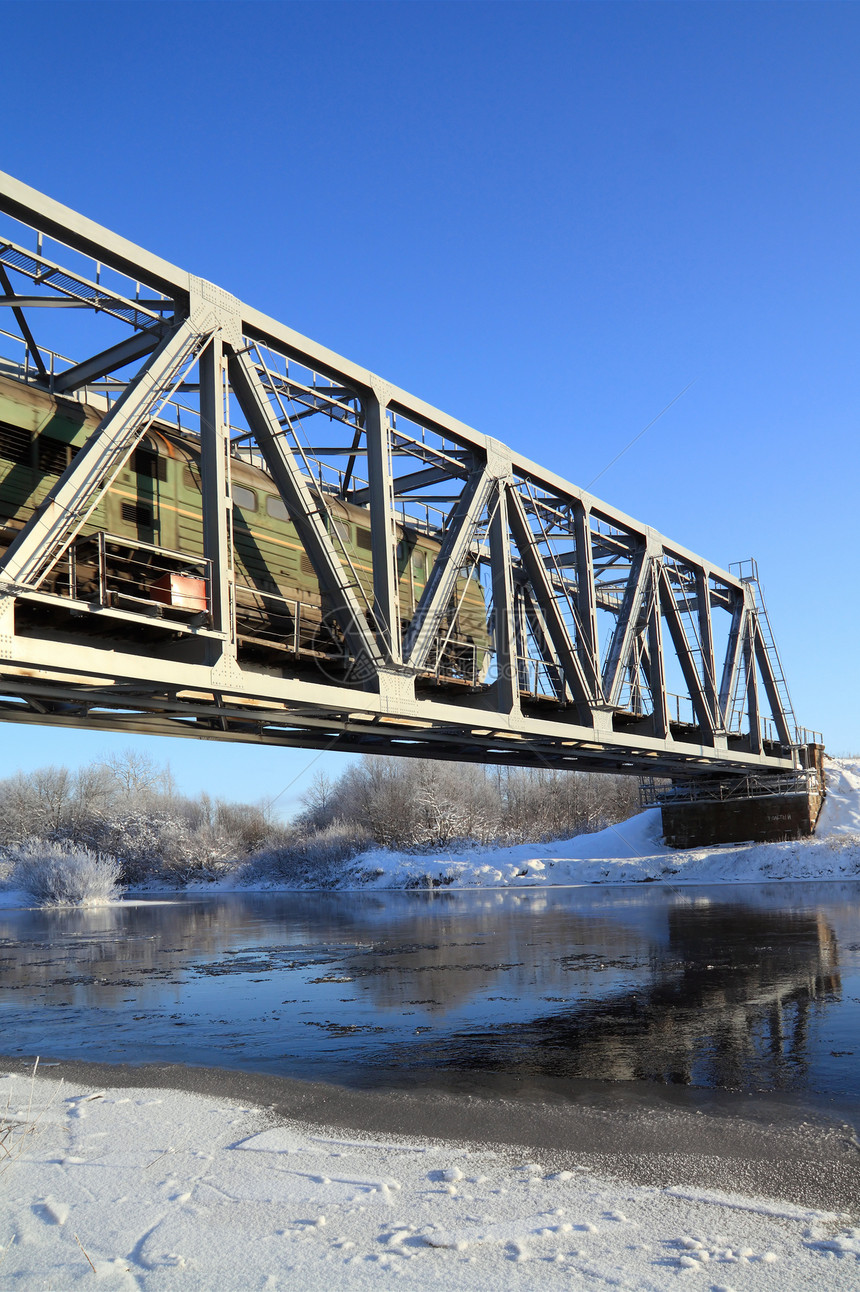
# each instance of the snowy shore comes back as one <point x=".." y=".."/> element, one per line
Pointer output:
<point x="159" y="1190"/>
<point x="631" y="852"/>
<point x="627" y="853"/>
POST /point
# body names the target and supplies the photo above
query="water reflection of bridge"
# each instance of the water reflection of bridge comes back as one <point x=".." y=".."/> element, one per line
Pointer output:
<point x="728" y="1004"/>
<point x="539" y="985"/>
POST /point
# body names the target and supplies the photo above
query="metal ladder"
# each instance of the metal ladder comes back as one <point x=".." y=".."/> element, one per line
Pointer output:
<point x="747" y="572"/>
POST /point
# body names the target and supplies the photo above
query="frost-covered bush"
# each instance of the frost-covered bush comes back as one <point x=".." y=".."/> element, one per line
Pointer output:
<point x="137" y="838"/>
<point x="164" y="843"/>
<point x="317" y="860"/>
<point x="57" y="874"/>
<point x="157" y="843"/>
<point x="127" y="806"/>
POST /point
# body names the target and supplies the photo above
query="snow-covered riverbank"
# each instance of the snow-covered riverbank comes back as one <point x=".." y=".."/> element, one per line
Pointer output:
<point x="158" y="1190"/>
<point x="631" y="852"/>
<point x="627" y="853"/>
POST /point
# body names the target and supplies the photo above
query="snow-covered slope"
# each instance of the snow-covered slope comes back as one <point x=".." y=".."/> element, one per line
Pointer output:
<point x="841" y="811"/>
<point x="633" y="852"/>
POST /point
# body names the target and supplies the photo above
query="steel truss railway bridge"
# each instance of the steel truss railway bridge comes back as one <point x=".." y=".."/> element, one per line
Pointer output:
<point x="611" y="648"/>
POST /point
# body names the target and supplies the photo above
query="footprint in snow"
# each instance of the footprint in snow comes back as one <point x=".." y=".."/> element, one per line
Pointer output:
<point x="53" y="1213"/>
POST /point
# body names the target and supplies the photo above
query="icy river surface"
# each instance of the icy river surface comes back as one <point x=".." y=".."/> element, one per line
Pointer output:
<point x="744" y="989"/>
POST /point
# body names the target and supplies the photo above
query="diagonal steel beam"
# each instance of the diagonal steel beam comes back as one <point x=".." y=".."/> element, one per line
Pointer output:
<point x="540" y="634"/>
<point x="350" y="466"/>
<point x="64" y="512"/>
<point x="73" y="230"/>
<point x="22" y="323"/>
<point x="734" y="654"/>
<point x="446" y="569"/>
<point x="405" y="484"/>
<point x="307" y="509"/>
<point x="704" y="716"/>
<point x="134" y="347"/>
<point x="625" y="629"/>
<point x="786" y="735"/>
<point x="541" y="590"/>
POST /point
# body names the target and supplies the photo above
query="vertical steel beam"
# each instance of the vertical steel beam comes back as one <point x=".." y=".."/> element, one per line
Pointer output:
<point x="507" y="688"/>
<point x="706" y="639"/>
<point x="383" y="531"/>
<point x="214" y="465"/>
<point x="307" y="508"/>
<point x="753" y="712"/>
<point x="656" y="662"/>
<point x="587" y="642"/>
<point x="77" y="492"/>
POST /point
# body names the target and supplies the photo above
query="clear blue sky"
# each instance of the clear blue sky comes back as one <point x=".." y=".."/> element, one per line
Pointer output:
<point x="546" y="218"/>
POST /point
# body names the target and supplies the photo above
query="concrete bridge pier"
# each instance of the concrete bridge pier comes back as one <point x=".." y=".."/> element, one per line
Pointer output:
<point x="754" y="808"/>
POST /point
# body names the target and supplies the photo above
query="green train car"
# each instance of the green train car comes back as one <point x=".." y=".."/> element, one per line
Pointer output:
<point x="148" y="526"/>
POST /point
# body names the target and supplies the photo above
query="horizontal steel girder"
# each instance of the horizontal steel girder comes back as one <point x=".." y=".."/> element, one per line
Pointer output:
<point x="445" y="733"/>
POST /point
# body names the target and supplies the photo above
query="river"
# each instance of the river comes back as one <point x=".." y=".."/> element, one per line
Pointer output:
<point x="734" y="989"/>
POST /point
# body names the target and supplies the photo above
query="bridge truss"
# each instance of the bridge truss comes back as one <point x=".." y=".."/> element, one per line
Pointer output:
<point x="611" y="648"/>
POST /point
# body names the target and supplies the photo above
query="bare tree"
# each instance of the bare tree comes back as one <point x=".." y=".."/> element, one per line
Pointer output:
<point x="320" y="802"/>
<point x="137" y="773"/>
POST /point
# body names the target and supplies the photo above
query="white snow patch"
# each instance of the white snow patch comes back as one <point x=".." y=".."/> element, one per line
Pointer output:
<point x="245" y="1203"/>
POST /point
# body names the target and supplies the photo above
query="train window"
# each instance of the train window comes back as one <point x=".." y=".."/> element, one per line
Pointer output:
<point x="53" y="455"/>
<point x="14" y="443"/>
<point x="135" y="514"/>
<point x="341" y="530"/>
<point x="149" y="464"/>
<point x="276" y="507"/>
<point x="362" y="539"/>
<point x="418" y="562"/>
<point x="244" y="498"/>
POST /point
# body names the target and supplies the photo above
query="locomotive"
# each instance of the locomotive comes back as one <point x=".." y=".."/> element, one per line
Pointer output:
<point x="141" y="548"/>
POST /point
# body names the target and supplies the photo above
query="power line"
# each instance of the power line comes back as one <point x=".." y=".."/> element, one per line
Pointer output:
<point x="642" y="432"/>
